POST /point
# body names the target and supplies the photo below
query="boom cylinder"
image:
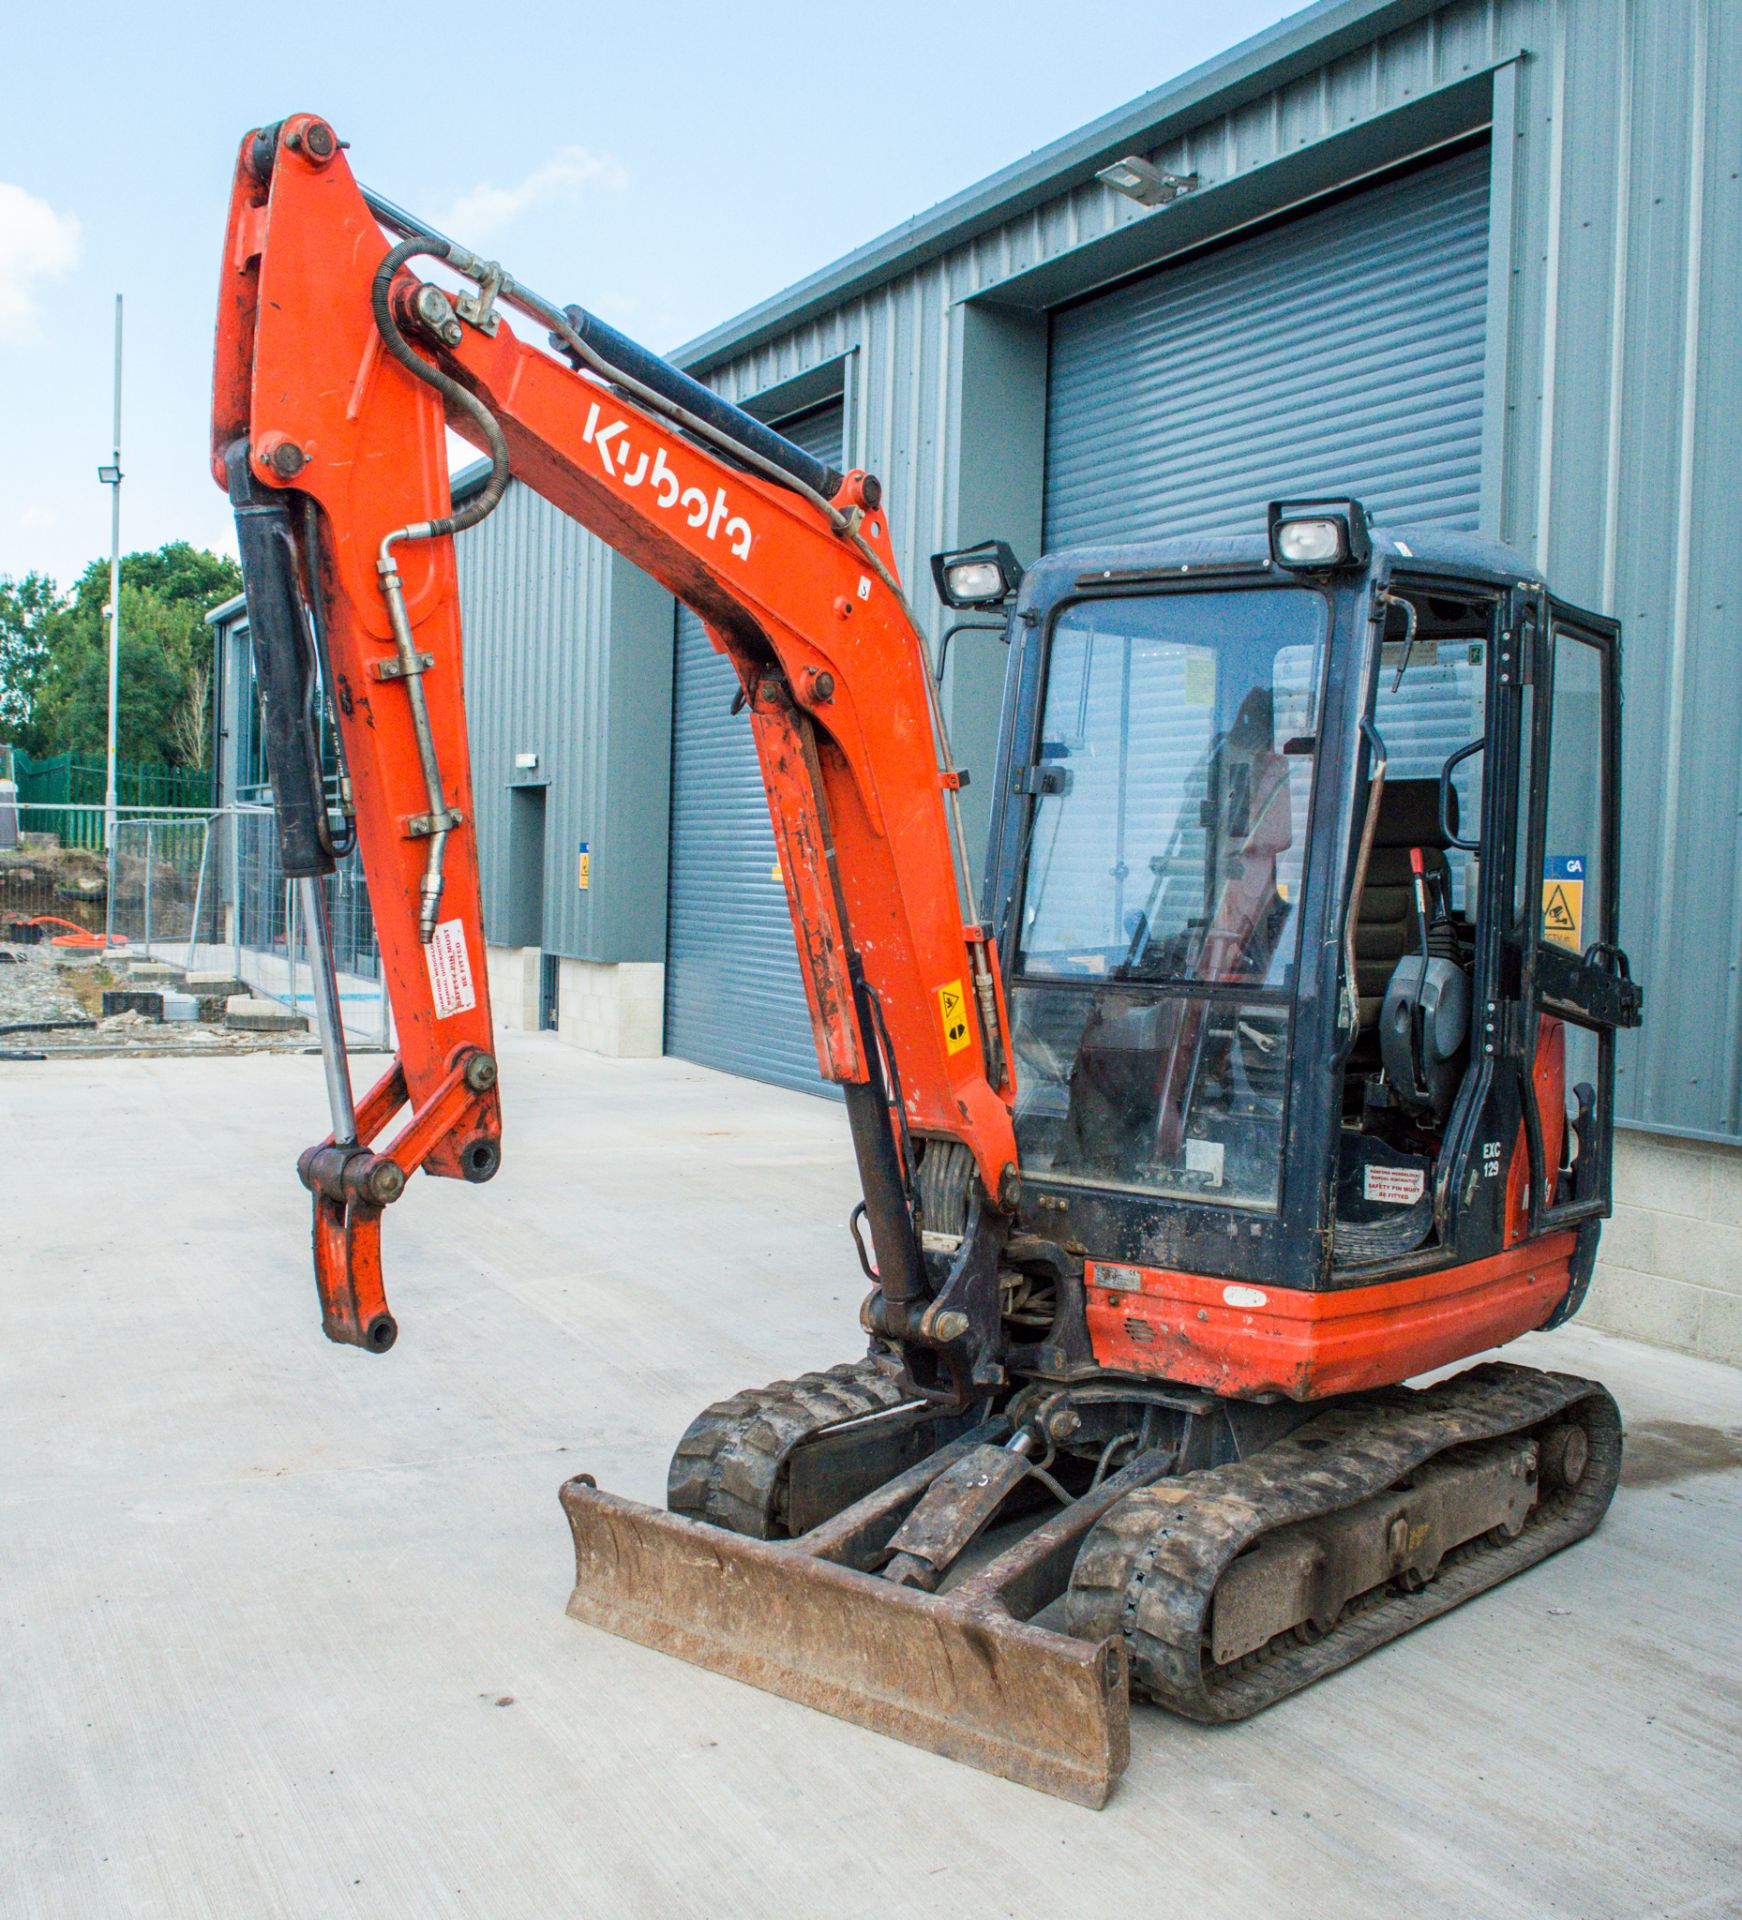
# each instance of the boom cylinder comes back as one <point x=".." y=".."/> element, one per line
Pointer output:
<point x="619" y="351"/>
<point x="266" y="539"/>
<point x="636" y="362"/>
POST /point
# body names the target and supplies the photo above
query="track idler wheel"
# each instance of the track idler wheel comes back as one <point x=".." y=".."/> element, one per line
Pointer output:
<point x="731" y="1467"/>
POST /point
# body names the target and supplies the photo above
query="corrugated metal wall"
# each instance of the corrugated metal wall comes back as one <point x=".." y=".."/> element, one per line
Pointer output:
<point x="1339" y="352"/>
<point x="1615" y="397"/>
<point x="734" y="997"/>
<point x="534" y="589"/>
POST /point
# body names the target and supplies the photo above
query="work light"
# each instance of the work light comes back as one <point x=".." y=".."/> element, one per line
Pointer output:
<point x="1318" y="533"/>
<point x="979" y="576"/>
<point x="1148" y="185"/>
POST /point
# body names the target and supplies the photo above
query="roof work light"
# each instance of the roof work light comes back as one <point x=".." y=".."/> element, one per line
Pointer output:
<point x="1319" y="533"/>
<point x="980" y="576"/>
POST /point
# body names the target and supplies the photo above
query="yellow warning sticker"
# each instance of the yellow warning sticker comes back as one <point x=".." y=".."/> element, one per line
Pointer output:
<point x="584" y="867"/>
<point x="1563" y="903"/>
<point x="1200" y="687"/>
<point x="953" y="1007"/>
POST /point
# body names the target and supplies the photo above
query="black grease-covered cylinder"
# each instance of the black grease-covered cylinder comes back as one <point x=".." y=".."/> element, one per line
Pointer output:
<point x="639" y="363"/>
<point x="282" y="665"/>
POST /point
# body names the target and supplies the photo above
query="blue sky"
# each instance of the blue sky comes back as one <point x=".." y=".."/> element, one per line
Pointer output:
<point x="664" y="164"/>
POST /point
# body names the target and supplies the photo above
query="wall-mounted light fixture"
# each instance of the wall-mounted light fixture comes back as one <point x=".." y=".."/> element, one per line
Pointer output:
<point x="525" y="762"/>
<point x="1147" y="185"/>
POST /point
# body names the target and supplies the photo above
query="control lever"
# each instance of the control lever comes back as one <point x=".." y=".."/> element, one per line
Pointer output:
<point x="1583" y="1130"/>
<point x="1417" y="1013"/>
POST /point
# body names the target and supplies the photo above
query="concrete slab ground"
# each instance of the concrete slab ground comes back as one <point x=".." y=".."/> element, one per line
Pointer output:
<point x="284" y="1622"/>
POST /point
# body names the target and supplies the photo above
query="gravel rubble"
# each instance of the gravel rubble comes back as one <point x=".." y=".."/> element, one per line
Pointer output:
<point x="36" y="986"/>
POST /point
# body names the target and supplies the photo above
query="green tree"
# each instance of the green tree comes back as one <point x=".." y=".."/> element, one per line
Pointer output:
<point x="165" y="679"/>
<point x="72" y="704"/>
<point x="177" y="573"/>
<point x="30" y="610"/>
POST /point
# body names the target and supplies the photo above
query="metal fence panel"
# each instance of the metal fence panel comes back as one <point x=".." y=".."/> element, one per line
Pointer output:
<point x="201" y="890"/>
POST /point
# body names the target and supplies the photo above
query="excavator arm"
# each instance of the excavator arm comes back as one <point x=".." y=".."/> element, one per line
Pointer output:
<point x="341" y="362"/>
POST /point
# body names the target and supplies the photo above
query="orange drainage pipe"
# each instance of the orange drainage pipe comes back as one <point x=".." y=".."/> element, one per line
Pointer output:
<point x="75" y="936"/>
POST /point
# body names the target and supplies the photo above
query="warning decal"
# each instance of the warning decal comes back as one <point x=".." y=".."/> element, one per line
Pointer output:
<point x="1563" y="902"/>
<point x="953" y="1009"/>
<point x="1393" y="1186"/>
<point x="584" y="869"/>
<point x="450" y="971"/>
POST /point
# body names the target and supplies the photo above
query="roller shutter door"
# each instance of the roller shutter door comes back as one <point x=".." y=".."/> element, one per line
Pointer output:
<point x="734" y="998"/>
<point x="1339" y="352"/>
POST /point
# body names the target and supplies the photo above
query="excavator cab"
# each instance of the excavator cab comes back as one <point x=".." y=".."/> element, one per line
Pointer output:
<point x="1302" y="873"/>
<point x="1302" y="877"/>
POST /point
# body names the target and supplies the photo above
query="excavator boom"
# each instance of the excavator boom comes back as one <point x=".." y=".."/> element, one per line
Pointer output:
<point x="338" y="371"/>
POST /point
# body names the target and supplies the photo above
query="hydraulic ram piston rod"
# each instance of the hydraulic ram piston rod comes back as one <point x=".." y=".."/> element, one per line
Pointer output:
<point x="318" y="939"/>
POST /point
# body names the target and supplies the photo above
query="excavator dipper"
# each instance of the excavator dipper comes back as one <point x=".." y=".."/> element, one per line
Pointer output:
<point x="1275" y="1070"/>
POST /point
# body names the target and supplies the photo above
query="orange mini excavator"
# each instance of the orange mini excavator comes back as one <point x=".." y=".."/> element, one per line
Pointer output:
<point x="1275" y="1069"/>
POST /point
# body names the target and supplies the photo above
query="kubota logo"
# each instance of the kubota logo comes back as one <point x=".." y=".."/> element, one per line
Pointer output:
<point x="634" y="470"/>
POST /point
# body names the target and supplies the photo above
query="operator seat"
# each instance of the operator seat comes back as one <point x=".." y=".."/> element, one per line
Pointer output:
<point x="1409" y="816"/>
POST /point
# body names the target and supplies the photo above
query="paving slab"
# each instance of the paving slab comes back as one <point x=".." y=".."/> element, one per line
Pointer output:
<point x="253" y="1013"/>
<point x="285" y="1621"/>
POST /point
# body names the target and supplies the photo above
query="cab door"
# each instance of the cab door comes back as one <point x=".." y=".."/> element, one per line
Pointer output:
<point x="1578" y="989"/>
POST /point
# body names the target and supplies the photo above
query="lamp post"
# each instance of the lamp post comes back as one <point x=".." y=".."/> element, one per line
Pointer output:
<point x="110" y="476"/>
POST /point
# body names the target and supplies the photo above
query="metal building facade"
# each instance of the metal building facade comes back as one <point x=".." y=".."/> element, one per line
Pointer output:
<point x="734" y="996"/>
<point x="1340" y="352"/>
<point x="1611" y="393"/>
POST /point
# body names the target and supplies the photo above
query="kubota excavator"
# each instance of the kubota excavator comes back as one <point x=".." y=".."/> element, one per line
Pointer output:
<point x="1276" y="1070"/>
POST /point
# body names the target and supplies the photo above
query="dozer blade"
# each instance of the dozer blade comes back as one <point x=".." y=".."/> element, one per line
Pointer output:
<point x="955" y="1672"/>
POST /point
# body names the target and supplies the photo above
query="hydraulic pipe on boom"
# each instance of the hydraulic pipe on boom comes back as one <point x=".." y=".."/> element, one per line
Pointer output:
<point x="338" y="371"/>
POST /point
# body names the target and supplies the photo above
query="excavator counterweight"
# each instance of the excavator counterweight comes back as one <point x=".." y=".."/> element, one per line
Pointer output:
<point x="1264" y="1076"/>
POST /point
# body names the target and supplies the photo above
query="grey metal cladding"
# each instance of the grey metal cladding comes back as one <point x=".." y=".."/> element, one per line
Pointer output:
<point x="1612" y="385"/>
<point x="1340" y="353"/>
<point x="1613" y="398"/>
<point x="734" y="997"/>
<point x="533" y="589"/>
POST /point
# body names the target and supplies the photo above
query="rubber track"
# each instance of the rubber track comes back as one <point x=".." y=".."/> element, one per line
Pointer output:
<point x="1150" y="1568"/>
<point x="727" y="1467"/>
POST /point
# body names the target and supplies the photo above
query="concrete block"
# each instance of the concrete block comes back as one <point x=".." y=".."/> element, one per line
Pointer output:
<point x="514" y="984"/>
<point x="614" y="1009"/>
<point x="247" y="1014"/>
<point x="1645" y="1306"/>
<point x="1630" y="1239"/>
<point x="208" y="985"/>
<point x="1662" y="1174"/>
<point x="1700" y="1252"/>
<point x="1725" y="1164"/>
<point x="1718" y="1335"/>
<point x="153" y="973"/>
<point x="131" y="1000"/>
<point x="181" y="1008"/>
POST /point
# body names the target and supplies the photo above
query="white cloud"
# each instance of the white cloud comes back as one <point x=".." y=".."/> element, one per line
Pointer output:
<point x="571" y="171"/>
<point x="36" y="243"/>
